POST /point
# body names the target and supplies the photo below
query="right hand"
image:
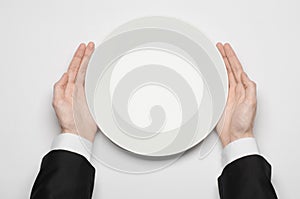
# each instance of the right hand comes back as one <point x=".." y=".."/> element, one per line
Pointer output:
<point x="238" y="117"/>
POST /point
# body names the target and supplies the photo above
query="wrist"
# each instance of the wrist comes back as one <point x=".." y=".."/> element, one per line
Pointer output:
<point x="89" y="137"/>
<point x="66" y="130"/>
<point x="236" y="136"/>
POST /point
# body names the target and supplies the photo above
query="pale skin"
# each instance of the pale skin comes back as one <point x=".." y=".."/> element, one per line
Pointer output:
<point x="69" y="100"/>
<point x="238" y="118"/>
<point x="73" y="115"/>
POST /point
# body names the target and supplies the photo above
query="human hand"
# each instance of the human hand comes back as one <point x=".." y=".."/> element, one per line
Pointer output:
<point x="238" y="117"/>
<point x="69" y="100"/>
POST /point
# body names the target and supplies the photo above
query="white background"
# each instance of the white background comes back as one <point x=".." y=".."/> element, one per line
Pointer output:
<point x="38" y="38"/>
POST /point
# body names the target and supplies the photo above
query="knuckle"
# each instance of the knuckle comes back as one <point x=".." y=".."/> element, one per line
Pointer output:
<point x="57" y="102"/>
<point x="54" y="103"/>
<point x="240" y="85"/>
<point x="253" y="84"/>
<point x="72" y="71"/>
<point x="232" y="85"/>
<point x="77" y="56"/>
<point x="239" y="88"/>
<point x="56" y="85"/>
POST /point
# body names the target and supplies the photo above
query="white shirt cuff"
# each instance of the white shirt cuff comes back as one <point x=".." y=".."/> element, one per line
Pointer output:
<point x="238" y="149"/>
<point x="73" y="143"/>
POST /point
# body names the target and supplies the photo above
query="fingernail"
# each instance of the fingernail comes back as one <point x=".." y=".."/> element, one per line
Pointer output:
<point x="91" y="45"/>
<point x="82" y="45"/>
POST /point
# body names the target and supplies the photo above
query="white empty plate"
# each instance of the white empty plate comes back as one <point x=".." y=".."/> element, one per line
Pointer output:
<point x="156" y="86"/>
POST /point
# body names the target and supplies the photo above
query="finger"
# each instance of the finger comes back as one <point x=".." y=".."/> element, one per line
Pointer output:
<point x="240" y="92"/>
<point x="59" y="87"/>
<point x="231" y="78"/>
<point x="250" y="88"/>
<point x="76" y="61"/>
<point x="80" y="77"/>
<point x="234" y="62"/>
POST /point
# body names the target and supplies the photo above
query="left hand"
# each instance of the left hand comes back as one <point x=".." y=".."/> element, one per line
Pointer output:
<point x="69" y="100"/>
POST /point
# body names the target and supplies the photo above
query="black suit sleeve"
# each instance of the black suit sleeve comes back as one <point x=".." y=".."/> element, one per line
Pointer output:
<point x="247" y="178"/>
<point x="63" y="175"/>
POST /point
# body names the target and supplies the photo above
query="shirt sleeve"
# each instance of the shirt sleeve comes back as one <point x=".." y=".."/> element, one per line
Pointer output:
<point x="73" y="143"/>
<point x="238" y="149"/>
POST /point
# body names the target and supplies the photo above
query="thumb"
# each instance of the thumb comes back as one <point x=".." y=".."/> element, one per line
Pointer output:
<point x="59" y="87"/>
<point x="250" y="87"/>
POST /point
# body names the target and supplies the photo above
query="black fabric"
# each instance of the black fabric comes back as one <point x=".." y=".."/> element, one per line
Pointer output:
<point x="245" y="178"/>
<point x="64" y="175"/>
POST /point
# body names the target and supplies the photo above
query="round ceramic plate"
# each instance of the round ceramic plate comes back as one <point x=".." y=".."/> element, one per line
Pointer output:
<point x="156" y="86"/>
